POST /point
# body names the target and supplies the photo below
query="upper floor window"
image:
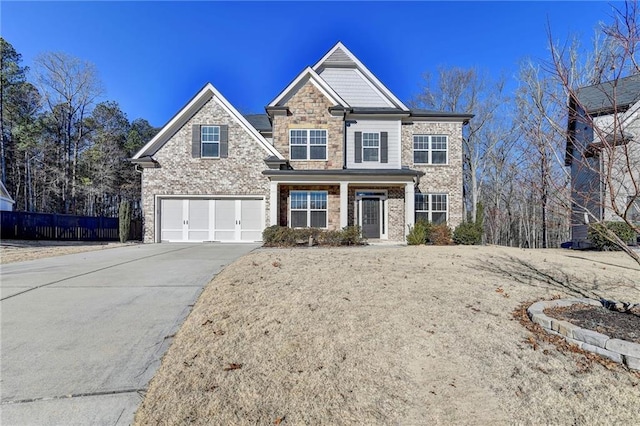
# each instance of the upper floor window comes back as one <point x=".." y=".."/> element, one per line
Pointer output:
<point x="431" y="207"/>
<point x="370" y="146"/>
<point x="430" y="149"/>
<point x="308" y="209"/>
<point x="307" y="144"/>
<point x="210" y="141"/>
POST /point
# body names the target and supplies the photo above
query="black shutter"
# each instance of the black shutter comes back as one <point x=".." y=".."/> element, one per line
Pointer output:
<point x="384" y="147"/>
<point x="358" y="150"/>
<point x="224" y="141"/>
<point x="195" y="141"/>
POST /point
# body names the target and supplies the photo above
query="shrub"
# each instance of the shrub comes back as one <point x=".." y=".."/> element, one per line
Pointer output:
<point x="351" y="235"/>
<point x="440" y="235"/>
<point x="598" y="234"/>
<point x="417" y="234"/>
<point x="124" y="220"/>
<point x="269" y="235"/>
<point x="467" y="233"/>
<point x="330" y="238"/>
<point x="283" y="236"/>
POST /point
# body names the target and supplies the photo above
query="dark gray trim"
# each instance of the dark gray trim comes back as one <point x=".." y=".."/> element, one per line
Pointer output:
<point x="146" y="162"/>
<point x="358" y="147"/>
<point x="196" y="139"/>
<point x="224" y="141"/>
<point x="384" y="147"/>
<point x="376" y="173"/>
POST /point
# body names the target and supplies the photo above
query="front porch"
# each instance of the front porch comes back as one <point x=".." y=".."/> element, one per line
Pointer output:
<point x="381" y="203"/>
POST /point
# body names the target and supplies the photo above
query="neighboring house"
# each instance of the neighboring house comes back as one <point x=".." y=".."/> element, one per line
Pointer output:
<point x="604" y="154"/>
<point x="336" y="148"/>
<point x="6" y="202"/>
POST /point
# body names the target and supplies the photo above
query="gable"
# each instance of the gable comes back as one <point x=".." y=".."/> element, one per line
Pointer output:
<point x="354" y="88"/>
<point x="338" y="61"/>
<point x="207" y="94"/>
<point x="305" y="77"/>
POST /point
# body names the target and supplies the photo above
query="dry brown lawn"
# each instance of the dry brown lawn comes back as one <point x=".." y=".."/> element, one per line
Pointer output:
<point x="21" y="250"/>
<point x="391" y="335"/>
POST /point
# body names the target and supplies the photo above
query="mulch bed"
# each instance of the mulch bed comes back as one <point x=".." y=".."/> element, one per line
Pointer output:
<point x="617" y="325"/>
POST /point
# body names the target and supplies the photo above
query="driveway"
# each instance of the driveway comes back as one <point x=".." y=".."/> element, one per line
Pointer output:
<point x="82" y="335"/>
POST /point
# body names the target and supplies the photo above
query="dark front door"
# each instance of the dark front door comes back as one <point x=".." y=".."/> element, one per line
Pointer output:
<point x="371" y="217"/>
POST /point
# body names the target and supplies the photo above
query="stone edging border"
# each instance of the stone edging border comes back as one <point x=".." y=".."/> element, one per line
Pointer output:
<point x="621" y="351"/>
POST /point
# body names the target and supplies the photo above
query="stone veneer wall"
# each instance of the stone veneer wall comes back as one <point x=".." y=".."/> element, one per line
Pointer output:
<point x="180" y="174"/>
<point x="310" y="110"/>
<point x="395" y="198"/>
<point x="438" y="178"/>
<point x="333" y="203"/>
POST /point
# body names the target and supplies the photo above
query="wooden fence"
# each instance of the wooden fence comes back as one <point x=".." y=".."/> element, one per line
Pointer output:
<point x="51" y="226"/>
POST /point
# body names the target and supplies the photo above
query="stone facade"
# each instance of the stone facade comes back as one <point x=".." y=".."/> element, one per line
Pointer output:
<point x="180" y="174"/>
<point x="446" y="179"/>
<point x="309" y="109"/>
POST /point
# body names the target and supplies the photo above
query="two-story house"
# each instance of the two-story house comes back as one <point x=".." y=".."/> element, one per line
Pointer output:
<point x="336" y="148"/>
<point x="603" y="152"/>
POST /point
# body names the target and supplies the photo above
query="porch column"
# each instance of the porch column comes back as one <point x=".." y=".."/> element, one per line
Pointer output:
<point x="409" y="206"/>
<point x="273" y="204"/>
<point x="344" y="204"/>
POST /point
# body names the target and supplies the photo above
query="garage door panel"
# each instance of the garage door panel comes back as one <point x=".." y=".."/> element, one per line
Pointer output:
<point x="171" y="220"/>
<point x="251" y="220"/>
<point x="211" y="219"/>
<point x="198" y="220"/>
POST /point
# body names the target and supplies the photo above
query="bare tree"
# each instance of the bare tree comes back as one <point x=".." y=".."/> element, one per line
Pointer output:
<point x="69" y="87"/>
<point x="469" y="91"/>
<point x="603" y="135"/>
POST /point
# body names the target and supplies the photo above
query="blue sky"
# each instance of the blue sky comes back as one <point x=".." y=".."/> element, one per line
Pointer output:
<point x="154" y="56"/>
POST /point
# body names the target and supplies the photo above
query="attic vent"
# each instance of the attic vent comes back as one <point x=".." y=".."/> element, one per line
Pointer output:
<point x="338" y="57"/>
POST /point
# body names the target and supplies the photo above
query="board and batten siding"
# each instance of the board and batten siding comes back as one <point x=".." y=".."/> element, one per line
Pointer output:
<point x="392" y="127"/>
<point x="351" y="85"/>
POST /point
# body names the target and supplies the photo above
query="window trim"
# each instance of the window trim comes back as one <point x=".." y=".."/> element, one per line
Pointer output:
<point x="378" y="148"/>
<point x="429" y="150"/>
<point x="203" y="142"/>
<point x="308" y="145"/>
<point x="308" y="209"/>
<point x="430" y="210"/>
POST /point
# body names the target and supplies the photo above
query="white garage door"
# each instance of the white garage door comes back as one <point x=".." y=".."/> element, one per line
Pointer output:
<point x="197" y="220"/>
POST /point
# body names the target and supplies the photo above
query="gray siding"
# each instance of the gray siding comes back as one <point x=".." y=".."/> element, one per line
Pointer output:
<point x="353" y="88"/>
<point x="392" y="127"/>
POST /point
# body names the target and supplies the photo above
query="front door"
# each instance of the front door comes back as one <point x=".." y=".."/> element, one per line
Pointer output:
<point x="371" y="217"/>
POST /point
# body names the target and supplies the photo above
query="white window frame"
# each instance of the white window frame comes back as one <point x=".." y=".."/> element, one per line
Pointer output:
<point x="308" y="208"/>
<point x="377" y="148"/>
<point x="204" y="142"/>
<point x="429" y="149"/>
<point x="308" y="144"/>
<point x="430" y="210"/>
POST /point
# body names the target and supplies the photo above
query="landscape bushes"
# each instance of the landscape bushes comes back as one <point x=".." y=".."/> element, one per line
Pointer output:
<point x="598" y="235"/>
<point x="467" y="233"/>
<point x="424" y="232"/>
<point x="282" y="236"/>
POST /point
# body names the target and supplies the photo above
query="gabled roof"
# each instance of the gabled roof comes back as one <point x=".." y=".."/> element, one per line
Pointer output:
<point x="260" y="121"/>
<point x="339" y="56"/>
<point x="600" y="98"/>
<point x="207" y="93"/>
<point x="309" y="74"/>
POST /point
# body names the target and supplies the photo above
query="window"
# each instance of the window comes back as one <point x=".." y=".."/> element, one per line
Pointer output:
<point x="370" y="146"/>
<point x="308" y="144"/>
<point x="430" y="149"/>
<point x="210" y="141"/>
<point x="308" y="209"/>
<point x="431" y="207"/>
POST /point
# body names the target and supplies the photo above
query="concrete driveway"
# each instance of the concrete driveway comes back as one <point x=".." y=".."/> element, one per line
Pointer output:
<point x="82" y="334"/>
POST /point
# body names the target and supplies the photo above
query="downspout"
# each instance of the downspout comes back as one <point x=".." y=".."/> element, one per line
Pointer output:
<point x="344" y="142"/>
